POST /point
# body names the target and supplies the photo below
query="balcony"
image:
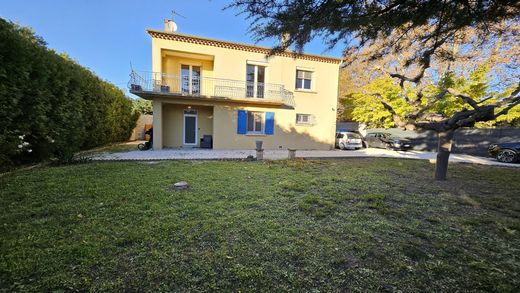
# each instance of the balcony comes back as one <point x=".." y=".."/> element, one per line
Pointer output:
<point x="152" y="84"/>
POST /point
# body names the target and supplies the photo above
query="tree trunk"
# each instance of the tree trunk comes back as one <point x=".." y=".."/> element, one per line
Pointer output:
<point x="443" y="153"/>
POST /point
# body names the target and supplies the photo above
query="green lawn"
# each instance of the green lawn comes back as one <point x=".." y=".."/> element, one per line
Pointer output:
<point x="331" y="225"/>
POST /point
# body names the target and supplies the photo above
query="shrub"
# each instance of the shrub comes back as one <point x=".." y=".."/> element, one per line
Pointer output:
<point x="56" y="105"/>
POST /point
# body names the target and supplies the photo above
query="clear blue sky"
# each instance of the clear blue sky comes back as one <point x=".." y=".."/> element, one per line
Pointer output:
<point x="106" y="35"/>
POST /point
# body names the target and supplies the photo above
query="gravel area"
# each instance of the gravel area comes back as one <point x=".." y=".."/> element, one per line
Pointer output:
<point x="209" y="154"/>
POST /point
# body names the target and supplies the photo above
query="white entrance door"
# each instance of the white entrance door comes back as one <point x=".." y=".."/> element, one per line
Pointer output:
<point x="190" y="128"/>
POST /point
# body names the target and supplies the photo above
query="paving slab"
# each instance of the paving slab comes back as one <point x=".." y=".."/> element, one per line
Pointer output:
<point x="210" y="154"/>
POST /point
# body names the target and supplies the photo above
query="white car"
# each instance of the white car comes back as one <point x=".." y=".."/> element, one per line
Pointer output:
<point x="348" y="140"/>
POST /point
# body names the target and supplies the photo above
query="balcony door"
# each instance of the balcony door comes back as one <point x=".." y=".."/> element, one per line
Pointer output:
<point x="190" y="79"/>
<point x="255" y="81"/>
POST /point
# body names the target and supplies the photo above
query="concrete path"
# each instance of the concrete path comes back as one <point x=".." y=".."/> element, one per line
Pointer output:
<point x="208" y="154"/>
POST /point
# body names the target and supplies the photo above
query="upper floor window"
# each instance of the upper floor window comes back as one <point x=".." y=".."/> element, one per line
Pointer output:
<point x="190" y="79"/>
<point x="304" y="80"/>
<point x="255" y="76"/>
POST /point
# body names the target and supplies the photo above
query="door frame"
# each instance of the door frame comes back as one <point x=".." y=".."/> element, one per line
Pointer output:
<point x="190" y="78"/>
<point x="184" y="129"/>
<point x="255" y="80"/>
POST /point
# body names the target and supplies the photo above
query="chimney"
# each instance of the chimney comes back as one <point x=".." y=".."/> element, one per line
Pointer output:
<point x="170" y="26"/>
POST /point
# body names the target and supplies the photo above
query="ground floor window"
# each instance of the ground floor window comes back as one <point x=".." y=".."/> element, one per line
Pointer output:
<point x="255" y="122"/>
<point x="304" y="119"/>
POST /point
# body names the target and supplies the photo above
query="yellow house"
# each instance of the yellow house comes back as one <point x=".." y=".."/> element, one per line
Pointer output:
<point x="226" y="95"/>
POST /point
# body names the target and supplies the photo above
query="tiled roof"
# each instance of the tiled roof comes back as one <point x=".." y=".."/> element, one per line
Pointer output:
<point x="237" y="46"/>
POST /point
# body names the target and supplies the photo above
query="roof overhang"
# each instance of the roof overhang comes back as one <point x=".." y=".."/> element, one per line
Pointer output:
<point x="238" y="46"/>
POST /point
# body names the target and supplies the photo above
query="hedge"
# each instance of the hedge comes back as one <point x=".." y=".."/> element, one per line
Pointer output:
<point x="50" y="106"/>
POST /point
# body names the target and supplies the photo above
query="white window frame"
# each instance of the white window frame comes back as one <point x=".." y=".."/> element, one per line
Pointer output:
<point x="255" y="131"/>
<point x="190" y="77"/>
<point x="310" y="119"/>
<point x="255" y="78"/>
<point x="312" y="79"/>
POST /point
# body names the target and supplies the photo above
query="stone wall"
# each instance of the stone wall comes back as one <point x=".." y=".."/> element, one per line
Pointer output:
<point x="138" y="132"/>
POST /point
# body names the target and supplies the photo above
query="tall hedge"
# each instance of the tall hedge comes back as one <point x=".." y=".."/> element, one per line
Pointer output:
<point x="50" y="106"/>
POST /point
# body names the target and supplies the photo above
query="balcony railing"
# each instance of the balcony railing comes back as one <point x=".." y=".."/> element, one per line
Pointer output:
<point x="165" y="83"/>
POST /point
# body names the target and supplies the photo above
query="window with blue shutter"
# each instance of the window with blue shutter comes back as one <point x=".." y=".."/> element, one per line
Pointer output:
<point x="269" y="123"/>
<point x="242" y="122"/>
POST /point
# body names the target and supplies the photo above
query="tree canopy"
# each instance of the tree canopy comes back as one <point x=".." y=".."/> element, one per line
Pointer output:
<point x="142" y="106"/>
<point x="358" y="23"/>
<point x="365" y="108"/>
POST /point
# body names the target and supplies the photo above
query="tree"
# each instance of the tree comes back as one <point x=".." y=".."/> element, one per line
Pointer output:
<point x="451" y="89"/>
<point x="142" y="106"/>
<point x="416" y="43"/>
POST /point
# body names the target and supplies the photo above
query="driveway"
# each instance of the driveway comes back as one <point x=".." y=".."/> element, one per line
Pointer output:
<point x="208" y="154"/>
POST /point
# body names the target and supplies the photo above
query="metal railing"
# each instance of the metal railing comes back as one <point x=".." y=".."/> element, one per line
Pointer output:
<point x="207" y="86"/>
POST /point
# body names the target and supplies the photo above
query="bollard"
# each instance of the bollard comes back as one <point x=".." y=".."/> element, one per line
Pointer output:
<point x="260" y="154"/>
<point x="292" y="154"/>
<point x="259" y="144"/>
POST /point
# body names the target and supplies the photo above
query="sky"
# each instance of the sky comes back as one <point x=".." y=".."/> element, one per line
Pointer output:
<point x="107" y="36"/>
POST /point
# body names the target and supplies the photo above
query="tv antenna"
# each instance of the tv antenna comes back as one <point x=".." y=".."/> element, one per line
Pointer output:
<point x="174" y="13"/>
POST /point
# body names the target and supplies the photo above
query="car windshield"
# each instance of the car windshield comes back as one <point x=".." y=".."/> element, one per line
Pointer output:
<point x="353" y="135"/>
<point x="387" y="135"/>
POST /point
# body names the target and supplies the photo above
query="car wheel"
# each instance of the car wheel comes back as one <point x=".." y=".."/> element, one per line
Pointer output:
<point x="506" y="156"/>
<point x="341" y="146"/>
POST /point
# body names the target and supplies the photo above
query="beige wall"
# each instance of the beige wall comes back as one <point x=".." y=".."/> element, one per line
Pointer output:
<point x="286" y="133"/>
<point x="173" y="123"/>
<point x="220" y="120"/>
<point x="172" y="64"/>
<point x="231" y="64"/>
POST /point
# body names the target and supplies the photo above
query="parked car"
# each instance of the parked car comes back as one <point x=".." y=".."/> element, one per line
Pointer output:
<point x="348" y="140"/>
<point x="505" y="152"/>
<point x="387" y="141"/>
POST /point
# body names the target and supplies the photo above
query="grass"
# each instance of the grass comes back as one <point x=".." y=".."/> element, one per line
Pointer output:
<point x="335" y="225"/>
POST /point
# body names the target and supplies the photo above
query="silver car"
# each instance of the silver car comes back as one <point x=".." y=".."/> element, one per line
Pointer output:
<point x="348" y="140"/>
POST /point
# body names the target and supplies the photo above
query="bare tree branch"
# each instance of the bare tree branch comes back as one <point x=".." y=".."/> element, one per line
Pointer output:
<point x="464" y="97"/>
<point x="424" y="62"/>
<point x="430" y="104"/>
<point x="483" y="100"/>
<point x="512" y="101"/>
<point x="390" y="109"/>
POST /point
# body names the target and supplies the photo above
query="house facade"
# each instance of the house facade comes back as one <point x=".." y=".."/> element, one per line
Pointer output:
<point x="226" y="95"/>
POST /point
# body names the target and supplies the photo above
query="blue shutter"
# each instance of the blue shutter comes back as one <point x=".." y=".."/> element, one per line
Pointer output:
<point x="269" y="123"/>
<point x="242" y="122"/>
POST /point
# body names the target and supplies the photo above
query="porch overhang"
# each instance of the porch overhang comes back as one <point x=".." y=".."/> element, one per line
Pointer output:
<point x="209" y="100"/>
